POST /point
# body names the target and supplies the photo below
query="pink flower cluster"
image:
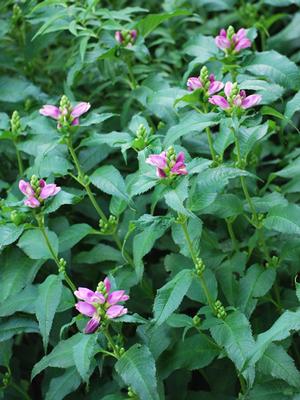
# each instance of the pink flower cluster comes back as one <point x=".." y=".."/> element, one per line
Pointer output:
<point x="34" y="198"/>
<point x="126" y="37"/>
<point x="167" y="166"/>
<point x="195" y="82"/>
<point x="100" y="304"/>
<point x="235" y="42"/>
<point x="62" y="113"/>
<point x="239" y="100"/>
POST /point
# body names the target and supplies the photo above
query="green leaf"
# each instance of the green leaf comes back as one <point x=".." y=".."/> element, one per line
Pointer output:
<point x="83" y="353"/>
<point x="144" y="241"/>
<point x="256" y="283"/>
<point x="21" y="301"/>
<point x="280" y="330"/>
<point x="15" y="326"/>
<point x="60" y="357"/>
<point x="147" y="24"/>
<point x="234" y="334"/>
<point x="275" y="67"/>
<point x="250" y="136"/>
<point x="61" y="199"/>
<point x="202" y="47"/>
<point x="109" y="180"/>
<point x="40" y="249"/>
<point x="284" y="219"/>
<point x="175" y="198"/>
<point x="62" y="385"/>
<point x="137" y="369"/>
<point x="292" y="106"/>
<point x="72" y="235"/>
<point x="191" y="122"/>
<point x="95" y="118"/>
<point x="101" y="252"/>
<point x="273" y="389"/>
<point x="269" y="92"/>
<point x="15" y="90"/>
<point x="194" y="352"/>
<point x="277" y="363"/>
<point x="17" y="271"/>
<point x="48" y="299"/>
<point x="9" y="233"/>
<point x="170" y="296"/>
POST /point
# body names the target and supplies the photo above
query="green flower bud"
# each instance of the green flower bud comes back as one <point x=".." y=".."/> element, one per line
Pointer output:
<point x="196" y="320"/>
<point x="230" y="32"/>
<point x="15" y="123"/>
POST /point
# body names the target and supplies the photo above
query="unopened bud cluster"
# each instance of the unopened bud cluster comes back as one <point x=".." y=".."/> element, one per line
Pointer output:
<point x="199" y="266"/>
<point x="16" y="15"/>
<point x="141" y="140"/>
<point x="62" y="266"/>
<point x="5" y="380"/>
<point x="273" y="263"/>
<point x="15" y="124"/>
<point x="109" y="226"/>
<point x="17" y="217"/>
<point x="126" y="37"/>
<point x="196" y="320"/>
<point x="220" y="310"/>
<point x="131" y="393"/>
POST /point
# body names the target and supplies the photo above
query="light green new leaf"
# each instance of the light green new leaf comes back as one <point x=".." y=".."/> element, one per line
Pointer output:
<point x="46" y="305"/>
<point x="137" y="369"/>
<point x="170" y="296"/>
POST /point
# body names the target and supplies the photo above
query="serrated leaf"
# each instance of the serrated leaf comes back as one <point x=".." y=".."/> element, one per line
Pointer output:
<point x="9" y="233"/>
<point x="170" y="296"/>
<point x="62" y="385"/>
<point x="109" y="180"/>
<point x="137" y="369"/>
<point x="48" y="299"/>
<point x="15" y="326"/>
<point x="83" y="353"/>
<point x="40" y="250"/>
<point x="284" y="219"/>
<point x="72" y="235"/>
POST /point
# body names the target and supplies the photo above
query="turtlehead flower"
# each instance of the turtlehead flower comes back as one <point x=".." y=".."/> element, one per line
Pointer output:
<point x="100" y="305"/>
<point x="214" y="86"/>
<point x="36" y="191"/>
<point x="126" y="37"/>
<point x="235" y="98"/>
<point x="231" y="42"/>
<point x="168" y="164"/>
<point x="65" y="114"/>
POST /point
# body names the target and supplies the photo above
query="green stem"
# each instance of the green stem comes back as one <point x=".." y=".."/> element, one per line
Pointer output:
<point x="19" y="390"/>
<point x="111" y="342"/>
<point x="210" y="143"/>
<point x="194" y="258"/>
<point x="232" y="235"/>
<point x="132" y="80"/>
<point x="93" y="200"/>
<point x="54" y="255"/>
<point x="19" y="159"/>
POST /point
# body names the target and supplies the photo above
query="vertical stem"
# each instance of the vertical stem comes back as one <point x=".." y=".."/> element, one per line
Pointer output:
<point x="194" y="258"/>
<point x="19" y="159"/>
<point x="54" y="255"/>
<point x="111" y="342"/>
<point x="133" y="82"/>
<point x="209" y="137"/>
<point x="232" y="235"/>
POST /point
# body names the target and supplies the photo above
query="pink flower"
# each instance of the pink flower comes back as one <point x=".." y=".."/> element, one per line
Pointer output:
<point x="239" y="100"/>
<point x="34" y="198"/>
<point x="101" y="304"/>
<point x="59" y="113"/>
<point x="126" y="37"/>
<point x="118" y="37"/>
<point x="167" y="167"/>
<point x="232" y="42"/>
<point x="194" y="83"/>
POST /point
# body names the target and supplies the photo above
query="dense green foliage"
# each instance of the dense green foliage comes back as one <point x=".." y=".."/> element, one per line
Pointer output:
<point x="207" y="246"/>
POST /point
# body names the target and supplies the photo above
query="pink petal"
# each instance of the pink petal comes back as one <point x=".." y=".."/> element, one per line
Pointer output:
<point x="119" y="37"/>
<point x="42" y="183"/>
<point x="117" y="296"/>
<point x="179" y="169"/>
<point x="50" y="111"/>
<point x="92" y="325"/>
<point x="107" y="284"/>
<point x="84" y="294"/>
<point x="160" y="173"/>
<point x="223" y="33"/>
<point x="228" y="88"/>
<point x="32" y="202"/>
<point x="222" y="42"/>
<point x="158" y="160"/>
<point x="26" y="188"/>
<point x="80" y="109"/>
<point x="49" y="190"/>
<point x="243" y="44"/>
<point x="193" y="83"/>
<point x="85" y="308"/>
<point x="75" y="121"/>
<point x="180" y="157"/>
<point x="116" y="311"/>
<point x="215" y="87"/>
<point x="219" y="101"/>
<point x="251" y="101"/>
<point x="241" y="34"/>
<point x="133" y="34"/>
<point x="97" y="298"/>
